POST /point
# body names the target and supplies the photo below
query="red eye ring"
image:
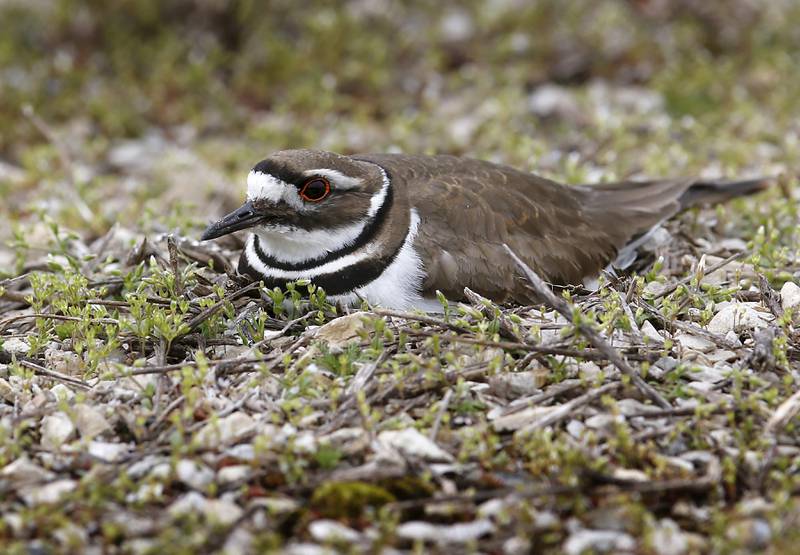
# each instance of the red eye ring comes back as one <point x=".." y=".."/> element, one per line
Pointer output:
<point x="315" y="189"/>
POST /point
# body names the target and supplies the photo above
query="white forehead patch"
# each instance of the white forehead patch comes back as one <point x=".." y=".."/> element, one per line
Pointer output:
<point x="337" y="178"/>
<point x="265" y="186"/>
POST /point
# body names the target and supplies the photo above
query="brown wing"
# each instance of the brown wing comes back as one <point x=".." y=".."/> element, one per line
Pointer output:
<point x="469" y="208"/>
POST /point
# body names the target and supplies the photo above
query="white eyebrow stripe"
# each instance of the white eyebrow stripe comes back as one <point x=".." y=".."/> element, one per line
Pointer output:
<point x="265" y="186"/>
<point x="337" y="178"/>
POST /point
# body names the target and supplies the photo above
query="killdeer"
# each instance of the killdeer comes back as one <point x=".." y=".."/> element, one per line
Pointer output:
<point x="393" y="229"/>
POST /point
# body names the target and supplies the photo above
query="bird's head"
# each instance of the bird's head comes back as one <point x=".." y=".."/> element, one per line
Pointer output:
<point x="294" y="192"/>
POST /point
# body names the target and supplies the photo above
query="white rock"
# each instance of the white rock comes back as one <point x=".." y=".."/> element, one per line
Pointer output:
<point x="707" y="374"/>
<point x="193" y="474"/>
<point x="234" y="473"/>
<point x="222" y="511"/>
<point x="694" y="342"/>
<point x="325" y="530"/>
<point x="593" y="541"/>
<point x="7" y="393"/>
<point x="72" y="536"/>
<point x="226" y="430"/>
<point x="147" y="493"/>
<point x="550" y="100"/>
<point x="411" y="443"/>
<point x="575" y="428"/>
<point x="277" y="505"/>
<point x="344" y="330"/>
<point x="452" y="533"/>
<point x="753" y="534"/>
<point x="56" y="429"/>
<point x="90" y="421"/>
<point x="669" y="539"/>
<point x="305" y="442"/>
<point x="16" y="346"/>
<point x="239" y="541"/>
<point x="516" y="384"/>
<point x="48" y="493"/>
<point x="307" y="548"/>
<point x="107" y="451"/>
<point x="24" y="471"/>
<point x="735" y="317"/>
<point x="651" y="333"/>
<point x="191" y="502"/>
<point x="62" y="393"/>
<point x="589" y="370"/>
<point x="604" y="421"/>
<point x="630" y="475"/>
<point x="790" y="295"/>
<point x="654" y="288"/>
<point x="140" y="468"/>
<point x="731" y="337"/>
<point x="519" y="419"/>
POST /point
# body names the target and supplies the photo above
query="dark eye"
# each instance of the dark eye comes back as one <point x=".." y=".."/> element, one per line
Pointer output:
<point x="315" y="189"/>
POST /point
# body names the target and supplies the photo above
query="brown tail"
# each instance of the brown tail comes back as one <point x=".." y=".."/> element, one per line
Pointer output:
<point x="712" y="192"/>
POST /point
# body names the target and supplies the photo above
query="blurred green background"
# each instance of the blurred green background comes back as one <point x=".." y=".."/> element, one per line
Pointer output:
<point x="149" y="113"/>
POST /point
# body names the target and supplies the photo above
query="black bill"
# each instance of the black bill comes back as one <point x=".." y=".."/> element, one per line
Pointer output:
<point x="241" y="218"/>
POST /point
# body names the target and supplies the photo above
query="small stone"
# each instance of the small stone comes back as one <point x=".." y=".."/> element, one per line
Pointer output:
<point x="141" y="468"/>
<point x="589" y="370"/>
<point x="107" y="451"/>
<point x="790" y="295"/>
<point x="654" y="288"/>
<point x="706" y="374"/>
<point x="555" y="101"/>
<point x="193" y="474"/>
<point x="24" y="471"/>
<point x="277" y="505"/>
<point x="325" y="530"/>
<point x="575" y="428"/>
<point x="630" y="475"/>
<point x="411" y="443"/>
<point x="62" y="393"/>
<point x="694" y="342"/>
<point x="750" y="533"/>
<point x="651" y="334"/>
<point x="72" y="536"/>
<point x="239" y="541"/>
<point x="7" y="392"/>
<point x="517" y="546"/>
<point x="668" y="538"/>
<point x="731" y="337"/>
<point x="593" y="541"/>
<point x="147" y="493"/>
<point x="511" y="385"/>
<point x="307" y="548"/>
<point x="342" y="331"/>
<point x="191" y="502"/>
<point x="48" y="493"/>
<point x="604" y="421"/>
<point x="226" y="430"/>
<point x="90" y="421"/>
<point x="222" y="511"/>
<point x="453" y="533"/>
<point x="232" y="474"/>
<point x="519" y="419"/>
<point x="56" y="429"/>
<point x="16" y="346"/>
<point x="735" y="317"/>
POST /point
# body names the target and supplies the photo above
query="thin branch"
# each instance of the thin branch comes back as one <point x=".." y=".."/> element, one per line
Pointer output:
<point x="588" y="331"/>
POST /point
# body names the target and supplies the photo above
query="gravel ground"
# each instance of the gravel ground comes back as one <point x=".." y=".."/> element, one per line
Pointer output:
<point x="150" y="401"/>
